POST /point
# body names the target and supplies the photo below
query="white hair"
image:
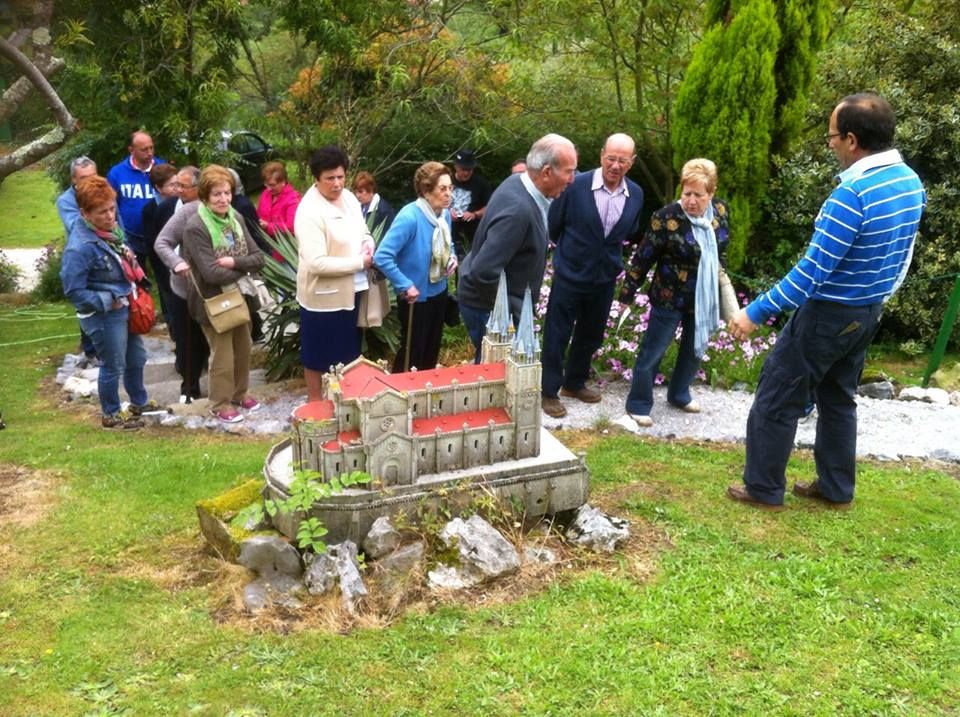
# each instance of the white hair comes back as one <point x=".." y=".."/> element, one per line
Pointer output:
<point x="546" y="151"/>
<point x="79" y="163"/>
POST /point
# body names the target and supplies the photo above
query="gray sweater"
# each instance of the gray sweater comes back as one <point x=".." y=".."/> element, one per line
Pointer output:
<point x="168" y="242"/>
<point x="511" y="237"/>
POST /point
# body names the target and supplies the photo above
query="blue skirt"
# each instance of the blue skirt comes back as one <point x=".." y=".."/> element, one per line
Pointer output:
<point x="328" y="338"/>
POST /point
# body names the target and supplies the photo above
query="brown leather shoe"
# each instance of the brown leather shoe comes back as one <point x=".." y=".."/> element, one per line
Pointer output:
<point x="812" y="490"/>
<point x="587" y="395"/>
<point x="553" y="407"/>
<point x="739" y="493"/>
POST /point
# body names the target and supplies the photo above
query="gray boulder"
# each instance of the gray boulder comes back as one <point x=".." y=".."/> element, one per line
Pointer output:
<point x="482" y="549"/>
<point x="321" y="574"/>
<point x="882" y="390"/>
<point x="928" y="395"/>
<point x="271" y="558"/>
<point x="596" y="530"/>
<point x="348" y="570"/>
<point x="255" y="597"/>
<point x="404" y="559"/>
<point x="382" y="538"/>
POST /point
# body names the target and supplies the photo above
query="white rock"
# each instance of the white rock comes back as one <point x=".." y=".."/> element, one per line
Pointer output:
<point x="596" y="530"/>
<point x="77" y="386"/>
<point x="928" y="395"/>
<point x="445" y="577"/>
<point x="382" y="538"/>
<point x="482" y="548"/>
<point x="539" y="554"/>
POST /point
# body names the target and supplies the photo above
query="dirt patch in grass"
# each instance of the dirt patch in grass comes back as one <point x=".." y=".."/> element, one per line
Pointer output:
<point x="26" y="496"/>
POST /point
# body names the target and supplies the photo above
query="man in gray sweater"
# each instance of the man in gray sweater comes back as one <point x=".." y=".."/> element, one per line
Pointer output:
<point x="512" y="236"/>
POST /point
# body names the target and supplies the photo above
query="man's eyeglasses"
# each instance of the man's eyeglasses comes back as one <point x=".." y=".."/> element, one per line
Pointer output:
<point x="831" y="135"/>
<point x="621" y="161"/>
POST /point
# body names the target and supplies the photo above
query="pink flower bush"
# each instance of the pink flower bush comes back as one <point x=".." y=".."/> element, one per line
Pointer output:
<point x="726" y="362"/>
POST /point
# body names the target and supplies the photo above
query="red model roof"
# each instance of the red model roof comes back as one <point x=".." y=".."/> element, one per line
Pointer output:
<point x="448" y="424"/>
<point x="365" y="381"/>
<point x="314" y="411"/>
<point x="343" y="438"/>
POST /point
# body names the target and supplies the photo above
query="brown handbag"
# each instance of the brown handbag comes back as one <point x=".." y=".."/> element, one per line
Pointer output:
<point x="225" y="311"/>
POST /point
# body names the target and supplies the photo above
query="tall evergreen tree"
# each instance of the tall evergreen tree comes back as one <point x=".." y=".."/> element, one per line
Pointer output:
<point x="725" y="108"/>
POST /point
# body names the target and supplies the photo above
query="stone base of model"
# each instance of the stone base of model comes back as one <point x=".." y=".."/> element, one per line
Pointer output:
<point x="553" y="482"/>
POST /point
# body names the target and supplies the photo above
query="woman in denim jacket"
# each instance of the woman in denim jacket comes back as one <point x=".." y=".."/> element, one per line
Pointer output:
<point x="98" y="273"/>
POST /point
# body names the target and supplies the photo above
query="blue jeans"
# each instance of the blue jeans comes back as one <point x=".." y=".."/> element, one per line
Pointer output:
<point x="476" y="322"/>
<point x="661" y="329"/>
<point x="121" y="354"/>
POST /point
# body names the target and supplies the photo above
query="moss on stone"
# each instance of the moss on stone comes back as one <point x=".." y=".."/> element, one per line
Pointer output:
<point x="226" y="505"/>
<point x="217" y="516"/>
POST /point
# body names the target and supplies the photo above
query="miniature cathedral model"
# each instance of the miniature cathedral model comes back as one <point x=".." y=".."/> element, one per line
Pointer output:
<point x="397" y="427"/>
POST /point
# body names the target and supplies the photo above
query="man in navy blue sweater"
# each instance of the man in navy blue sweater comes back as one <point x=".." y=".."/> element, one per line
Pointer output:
<point x="859" y="255"/>
<point x="589" y="224"/>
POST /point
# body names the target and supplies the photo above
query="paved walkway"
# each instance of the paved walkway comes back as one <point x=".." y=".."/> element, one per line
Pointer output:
<point x="26" y="261"/>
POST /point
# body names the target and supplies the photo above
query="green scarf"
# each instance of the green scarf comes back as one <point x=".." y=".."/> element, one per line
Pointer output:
<point x="114" y="237"/>
<point x="220" y="227"/>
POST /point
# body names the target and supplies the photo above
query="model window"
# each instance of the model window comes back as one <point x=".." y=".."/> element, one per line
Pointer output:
<point x="465" y="400"/>
<point x="501" y="440"/>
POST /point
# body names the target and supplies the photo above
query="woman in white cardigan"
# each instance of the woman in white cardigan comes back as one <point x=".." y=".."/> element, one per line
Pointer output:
<point x="335" y="250"/>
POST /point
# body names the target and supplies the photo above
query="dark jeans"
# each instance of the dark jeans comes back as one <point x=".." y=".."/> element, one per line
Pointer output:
<point x="476" y="322"/>
<point x="86" y="343"/>
<point x="661" y="329"/>
<point x="822" y="348"/>
<point x="427" y="333"/>
<point x="583" y="314"/>
<point x="192" y="349"/>
<point x="121" y="355"/>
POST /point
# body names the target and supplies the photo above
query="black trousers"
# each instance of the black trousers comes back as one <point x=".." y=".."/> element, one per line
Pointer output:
<point x="822" y="349"/>
<point x="426" y="334"/>
<point x="579" y="312"/>
<point x="192" y="349"/>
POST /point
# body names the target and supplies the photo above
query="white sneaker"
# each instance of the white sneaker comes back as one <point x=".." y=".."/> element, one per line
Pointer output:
<point x="642" y="421"/>
<point x="692" y="407"/>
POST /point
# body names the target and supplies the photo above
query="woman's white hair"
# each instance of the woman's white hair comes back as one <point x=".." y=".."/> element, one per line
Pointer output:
<point x="546" y="151"/>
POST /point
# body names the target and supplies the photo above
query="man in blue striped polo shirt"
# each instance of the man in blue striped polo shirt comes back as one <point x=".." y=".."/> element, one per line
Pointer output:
<point x="859" y="254"/>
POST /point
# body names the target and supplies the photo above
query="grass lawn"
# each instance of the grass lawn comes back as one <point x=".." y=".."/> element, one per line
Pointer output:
<point x="27" y="206"/>
<point x="806" y="612"/>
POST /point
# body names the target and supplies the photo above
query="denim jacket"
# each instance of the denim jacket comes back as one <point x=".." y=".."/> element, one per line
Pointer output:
<point x="91" y="272"/>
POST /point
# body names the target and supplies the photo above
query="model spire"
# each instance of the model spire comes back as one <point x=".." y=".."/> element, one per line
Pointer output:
<point x="526" y="343"/>
<point x="500" y="322"/>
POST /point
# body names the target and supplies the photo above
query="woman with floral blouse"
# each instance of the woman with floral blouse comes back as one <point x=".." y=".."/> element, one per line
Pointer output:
<point x="686" y="242"/>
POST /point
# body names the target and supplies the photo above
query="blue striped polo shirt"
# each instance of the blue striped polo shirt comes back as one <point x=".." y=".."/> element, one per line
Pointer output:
<point x="862" y="241"/>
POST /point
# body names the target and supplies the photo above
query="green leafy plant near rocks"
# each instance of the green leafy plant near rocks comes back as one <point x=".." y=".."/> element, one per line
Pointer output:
<point x="305" y="490"/>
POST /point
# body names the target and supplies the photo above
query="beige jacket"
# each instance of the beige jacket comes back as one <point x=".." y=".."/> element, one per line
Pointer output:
<point x="330" y="242"/>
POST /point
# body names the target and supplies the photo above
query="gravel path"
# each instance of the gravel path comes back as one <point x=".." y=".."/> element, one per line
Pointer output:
<point x="888" y="429"/>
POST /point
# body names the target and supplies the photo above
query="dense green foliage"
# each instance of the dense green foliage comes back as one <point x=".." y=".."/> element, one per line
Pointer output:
<point x="9" y="275"/>
<point x="725" y="111"/>
<point x="916" y="64"/>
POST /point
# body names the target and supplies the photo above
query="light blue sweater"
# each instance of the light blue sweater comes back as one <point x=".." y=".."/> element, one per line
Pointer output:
<point x="404" y="253"/>
<point x="862" y="240"/>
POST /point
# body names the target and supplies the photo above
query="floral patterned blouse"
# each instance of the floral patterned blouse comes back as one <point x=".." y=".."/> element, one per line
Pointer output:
<point x="669" y="244"/>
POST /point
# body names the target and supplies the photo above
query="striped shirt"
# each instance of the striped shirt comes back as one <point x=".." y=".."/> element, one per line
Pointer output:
<point x="609" y="204"/>
<point x="862" y="241"/>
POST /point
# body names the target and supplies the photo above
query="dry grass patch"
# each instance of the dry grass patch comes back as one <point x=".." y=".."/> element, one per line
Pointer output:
<point x="26" y="496"/>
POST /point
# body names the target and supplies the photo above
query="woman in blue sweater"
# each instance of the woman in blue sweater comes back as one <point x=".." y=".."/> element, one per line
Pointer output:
<point x="416" y="256"/>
